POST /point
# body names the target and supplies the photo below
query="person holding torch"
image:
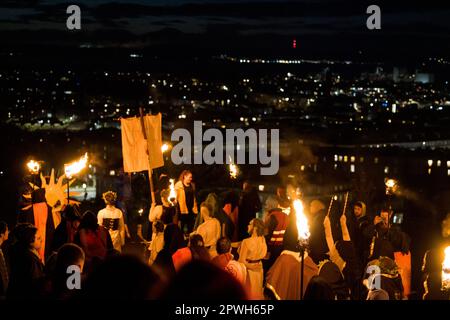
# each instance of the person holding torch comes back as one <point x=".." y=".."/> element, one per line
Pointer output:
<point x="436" y="267"/>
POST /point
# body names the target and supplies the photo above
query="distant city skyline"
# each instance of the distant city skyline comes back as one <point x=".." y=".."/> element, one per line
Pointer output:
<point x="323" y="26"/>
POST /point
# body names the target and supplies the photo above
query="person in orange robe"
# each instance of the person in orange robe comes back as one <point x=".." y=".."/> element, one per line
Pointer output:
<point x="40" y="215"/>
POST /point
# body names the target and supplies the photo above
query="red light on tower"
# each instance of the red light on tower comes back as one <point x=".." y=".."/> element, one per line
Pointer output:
<point x="294" y="44"/>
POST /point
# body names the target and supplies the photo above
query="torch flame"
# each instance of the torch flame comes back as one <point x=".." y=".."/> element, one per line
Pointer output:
<point x="233" y="170"/>
<point x="75" y="167"/>
<point x="446" y="270"/>
<point x="301" y="221"/>
<point x="33" y="166"/>
<point x="172" y="195"/>
<point x="390" y="183"/>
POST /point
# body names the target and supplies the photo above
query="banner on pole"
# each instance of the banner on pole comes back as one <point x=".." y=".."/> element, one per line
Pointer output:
<point x="135" y="146"/>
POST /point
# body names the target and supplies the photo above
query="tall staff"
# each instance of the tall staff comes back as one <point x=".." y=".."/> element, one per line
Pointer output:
<point x="330" y="205"/>
<point x="150" y="180"/>
<point x="345" y="203"/>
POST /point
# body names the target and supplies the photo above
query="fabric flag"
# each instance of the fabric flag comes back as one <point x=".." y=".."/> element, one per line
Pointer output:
<point x="134" y="145"/>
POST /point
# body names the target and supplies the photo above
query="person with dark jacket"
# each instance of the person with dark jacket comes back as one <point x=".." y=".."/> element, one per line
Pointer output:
<point x="386" y="238"/>
<point x="358" y="225"/>
<point x="249" y="205"/>
<point x="173" y="240"/>
<point x="66" y="230"/>
<point x="317" y="241"/>
<point x="55" y="284"/>
<point x="318" y="289"/>
<point x="231" y="209"/>
<point x="26" y="266"/>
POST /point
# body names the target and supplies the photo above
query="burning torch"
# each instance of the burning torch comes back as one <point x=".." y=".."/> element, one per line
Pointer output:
<point x="303" y="237"/>
<point x="73" y="168"/>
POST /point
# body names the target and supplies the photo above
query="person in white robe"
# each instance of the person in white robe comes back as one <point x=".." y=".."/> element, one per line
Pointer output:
<point x="210" y="229"/>
<point x="251" y="251"/>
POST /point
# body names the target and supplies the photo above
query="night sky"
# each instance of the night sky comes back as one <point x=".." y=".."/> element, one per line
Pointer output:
<point x="255" y="26"/>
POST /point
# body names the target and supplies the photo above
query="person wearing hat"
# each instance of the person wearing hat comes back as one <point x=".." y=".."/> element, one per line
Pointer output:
<point x="276" y="223"/>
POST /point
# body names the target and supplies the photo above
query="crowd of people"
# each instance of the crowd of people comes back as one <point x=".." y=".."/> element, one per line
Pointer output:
<point x="229" y="247"/>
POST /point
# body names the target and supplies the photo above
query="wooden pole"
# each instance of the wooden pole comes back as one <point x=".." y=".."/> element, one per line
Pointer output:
<point x="150" y="180"/>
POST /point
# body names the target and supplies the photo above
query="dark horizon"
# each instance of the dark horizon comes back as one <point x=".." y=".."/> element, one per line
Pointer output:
<point x="332" y="28"/>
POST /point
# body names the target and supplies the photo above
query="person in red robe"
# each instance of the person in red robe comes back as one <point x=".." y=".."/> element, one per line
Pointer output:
<point x="195" y="250"/>
<point x="225" y="260"/>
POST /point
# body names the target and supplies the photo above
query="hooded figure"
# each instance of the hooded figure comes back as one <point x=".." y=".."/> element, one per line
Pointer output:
<point x="226" y="224"/>
<point x="359" y="229"/>
<point x="389" y="277"/>
<point x="249" y="205"/>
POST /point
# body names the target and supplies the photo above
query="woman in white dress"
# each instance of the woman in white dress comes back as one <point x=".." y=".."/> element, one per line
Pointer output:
<point x="251" y="251"/>
<point x="210" y="229"/>
<point x="112" y="219"/>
